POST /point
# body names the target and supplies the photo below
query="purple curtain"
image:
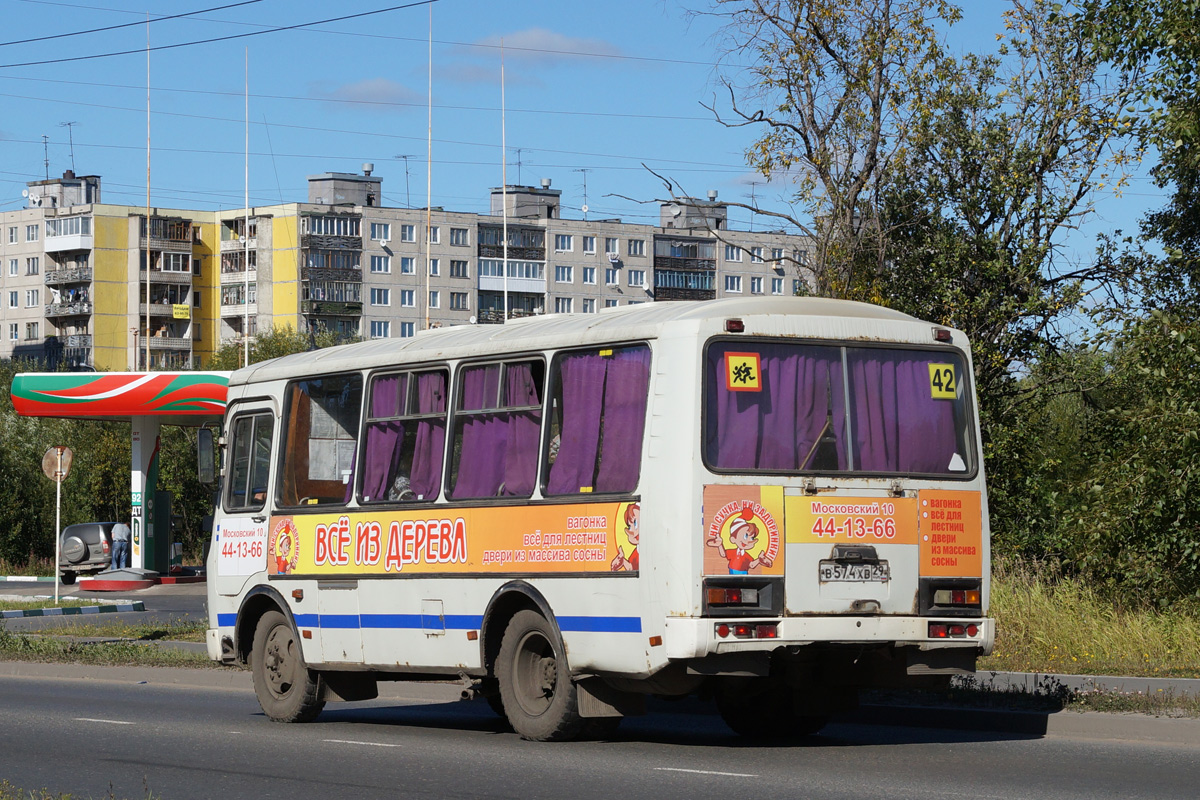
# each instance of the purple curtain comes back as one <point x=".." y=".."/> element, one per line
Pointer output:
<point x="383" y="438"/>
<point x="582" y="378"/>
<point x="898" y="425"/>
<point x="778" y="427"/>
<point x="430" y="442"/>
<point x="625" y="393"/>
<point x="483" y="436"/>
<point x="524" y="427"/>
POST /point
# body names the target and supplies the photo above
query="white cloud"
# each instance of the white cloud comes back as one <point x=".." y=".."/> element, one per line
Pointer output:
<point x="539" y="44"/>
<point x="372" y="94"/>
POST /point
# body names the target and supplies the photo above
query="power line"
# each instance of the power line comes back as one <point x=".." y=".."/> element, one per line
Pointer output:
<point x="142" y="50"/>
<point x="126" y="24"/>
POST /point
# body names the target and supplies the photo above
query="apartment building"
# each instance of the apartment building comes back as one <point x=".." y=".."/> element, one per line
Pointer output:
<point x="93" y="285"/>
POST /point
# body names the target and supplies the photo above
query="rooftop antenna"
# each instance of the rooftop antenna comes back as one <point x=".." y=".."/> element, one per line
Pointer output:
<point x="407" y="194"/>
<point x="585" y="171"/>
<point x="46" y="154"/>
<point x="71" y="139"/>
<point x="753" y="202"/>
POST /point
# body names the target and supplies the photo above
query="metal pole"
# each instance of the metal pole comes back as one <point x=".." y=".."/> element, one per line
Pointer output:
<point x="57" y="522"/>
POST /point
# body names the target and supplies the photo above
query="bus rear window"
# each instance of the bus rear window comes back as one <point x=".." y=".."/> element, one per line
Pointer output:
<point x="789" y="407"/>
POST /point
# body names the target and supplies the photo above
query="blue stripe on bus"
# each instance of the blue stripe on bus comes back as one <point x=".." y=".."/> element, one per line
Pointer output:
<point x="453" y="622"/>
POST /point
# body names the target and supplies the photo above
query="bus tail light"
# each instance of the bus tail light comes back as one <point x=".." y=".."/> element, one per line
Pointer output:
<point x="953" y="630"/>
<point x="956" y="597"/>
<point x="732" y="596"/>
<point x="734" y="326"/>
<point x="747" y="630"/>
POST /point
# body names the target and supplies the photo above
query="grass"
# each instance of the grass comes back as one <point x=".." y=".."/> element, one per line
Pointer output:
<point x="10" y="792"/>
<point x="35" y="567"/>
<point x="1064" y="626"/>
<point x="134" y="645"/>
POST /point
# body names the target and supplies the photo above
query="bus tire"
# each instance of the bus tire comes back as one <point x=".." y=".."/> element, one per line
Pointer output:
<point x="287" y="690"/>
<point x="760" y="708"/>
<point x="536" y="689"/>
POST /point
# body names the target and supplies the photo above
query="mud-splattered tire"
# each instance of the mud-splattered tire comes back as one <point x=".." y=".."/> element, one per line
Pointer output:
<point x="759" y="708"/>
<point x="538" y="695"/>
<point x="287" y="690"/>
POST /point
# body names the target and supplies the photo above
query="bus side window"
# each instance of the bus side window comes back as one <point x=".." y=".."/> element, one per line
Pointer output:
<point x="320" y="439"/>
<point x="250" y="463"/>
<point x="406" y="435"/>
<point x="599" y="415"/>
<point x="496" y="429"/>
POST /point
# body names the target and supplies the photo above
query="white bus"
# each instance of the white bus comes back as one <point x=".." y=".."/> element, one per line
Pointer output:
<point x="771" y="502"/>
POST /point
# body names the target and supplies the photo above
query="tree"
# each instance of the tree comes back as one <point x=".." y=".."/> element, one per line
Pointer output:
<point x="274" y="343"/>
<point x="829" y="84"/>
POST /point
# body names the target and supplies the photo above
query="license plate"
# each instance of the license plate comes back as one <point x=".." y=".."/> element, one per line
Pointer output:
<point x="837" y="572"/>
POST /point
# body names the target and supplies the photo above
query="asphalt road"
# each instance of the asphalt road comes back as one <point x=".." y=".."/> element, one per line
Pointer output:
<point x="88" y="737"/>
<point x="163" y="603"/>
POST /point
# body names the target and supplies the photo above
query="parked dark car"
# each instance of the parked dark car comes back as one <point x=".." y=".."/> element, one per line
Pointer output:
<point x="86" y="548"/>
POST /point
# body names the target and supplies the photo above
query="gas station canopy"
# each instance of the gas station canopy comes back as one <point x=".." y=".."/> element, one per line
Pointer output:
<point x="174" y="398"/>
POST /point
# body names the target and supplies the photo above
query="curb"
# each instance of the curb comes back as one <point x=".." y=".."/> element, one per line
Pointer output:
<point x="25" y="579"/>
<point x="72" y="610"/>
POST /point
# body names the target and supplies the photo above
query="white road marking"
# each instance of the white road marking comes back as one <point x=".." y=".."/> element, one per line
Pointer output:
<point x="105" y="721"/>
<point x="353" y="741"/>
<point x="706" y="772"/>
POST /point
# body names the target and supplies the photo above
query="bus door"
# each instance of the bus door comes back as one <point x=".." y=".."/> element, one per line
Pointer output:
<point x="240" y="529"/>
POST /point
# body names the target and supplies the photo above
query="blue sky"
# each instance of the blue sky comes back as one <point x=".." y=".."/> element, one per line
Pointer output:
<point x="601" y="87"/>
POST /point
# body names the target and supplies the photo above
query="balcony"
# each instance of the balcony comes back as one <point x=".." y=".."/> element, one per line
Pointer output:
<point x="78" y="340"/>
<point x="170" y="343"/>
<point x="316" y="241"/>
<point x="165" y="310"/>
<point x="159" y="276"/>
<point x="238" y="310"/>
<point x="514" y="253"/>
<point x="331" y="308"/>
<point x="235" y="277"/>
<point x="166" y="245"/>
<point x="74" y="241"/>
<point x="78" y="309"/>
<point x="351" y="275"/>
<point x="228" y="245"/>
<point x="57" y="277"/>
<point x="494" y="316"/>
<point x="687" y="264"/>
<point x="671" y="293"/>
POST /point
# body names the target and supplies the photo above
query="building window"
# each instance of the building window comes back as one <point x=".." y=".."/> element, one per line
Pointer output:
<point x="589" y="244"/>
<point x="756" y="285"/>
<point x="14" y="266"/>
<point x="733" y="283"/>
<point x="796" y="286"/>
<point x="610" y="276"/>
<point x="69" y="226"/>
<point x="31" y="232"/>
<point x="563" y="242"/>
<point x="31" y="266"/>
<point x="435" y="234"/>
<point x="610" y="245"/>
<point x="776" y="285"/>
<point x="459" y="269"/>
<point x="12" y="235"/>
<point x="380" y="329"/>
<point x="589" y="275"/>
<point x="733" y="253"/>
<point x="756" y="255"/>
<point x="14" y="299"/>
<point x="381" y="264"/>
<point x="407" y="329"/>
<point x="381" y="232"/>
<point x="533" y="270"/>
<point x="408" y="233"/>
<point x="589" y="305"/>
<point x="460" y="301"/>
<point x="435" y="266"/>
<point x="408" y="265"/>
<point x="564" y="274"/>
<point x="408" y="298"/>
<point x="435" y="299"/>
<point x="14" y="331"/>
<point x="176" y="262"/>
<point x="802" y="256"/>
<point x="198" y="265"/>
<point x="562" y="305"/>
<point x="637" y="277"/>
<point x="31" y="298"/>
<point x="31" y="331"/>
<point x="195" y="298"/>
<point x="610" y="303"/>
<point x="381" y="297"/>
<point x="336" y="225"/>
<point x="460" y="237"/>
<point x="637" y="247"/>
<point x="777" y="254"/>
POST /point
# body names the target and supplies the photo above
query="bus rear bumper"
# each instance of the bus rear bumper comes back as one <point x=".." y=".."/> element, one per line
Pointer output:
<point x="692" y="637"/>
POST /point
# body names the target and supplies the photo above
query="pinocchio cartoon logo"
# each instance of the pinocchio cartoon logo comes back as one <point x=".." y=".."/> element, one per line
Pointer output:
<point x="284" y="551"/>
<point x="751" y="533"/>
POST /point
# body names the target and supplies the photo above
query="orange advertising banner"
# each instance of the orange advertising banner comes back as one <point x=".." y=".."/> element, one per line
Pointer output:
<point x="856" y="520"/>
<point x="951" y="533"/>
<point x="743" y="530"/>
<point x="592" y="537"/>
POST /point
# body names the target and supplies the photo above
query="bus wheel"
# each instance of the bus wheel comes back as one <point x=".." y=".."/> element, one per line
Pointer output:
<point x="760" y="708"/>
<point x="287" y="690"/>
<point x="535" y="682"/>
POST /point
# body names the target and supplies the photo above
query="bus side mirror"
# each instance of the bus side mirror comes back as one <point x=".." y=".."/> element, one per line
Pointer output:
<point x="206" y="457"/>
